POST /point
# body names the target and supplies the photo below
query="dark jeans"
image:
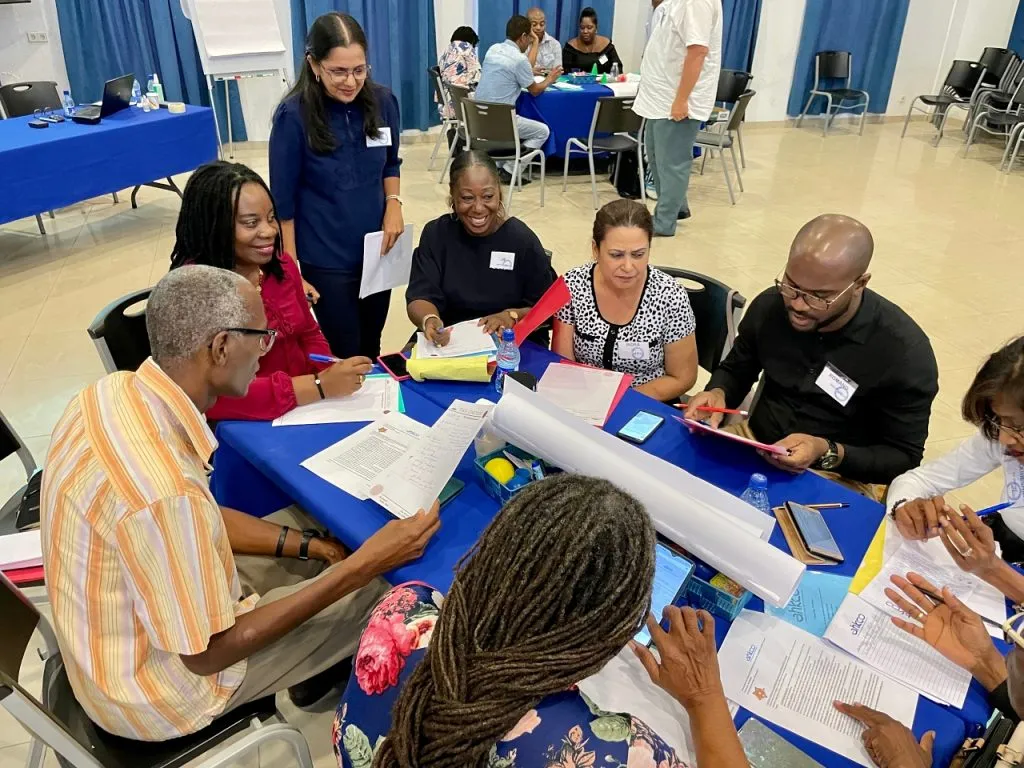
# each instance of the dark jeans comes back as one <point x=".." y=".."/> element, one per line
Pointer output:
<point x="352" y="326"/>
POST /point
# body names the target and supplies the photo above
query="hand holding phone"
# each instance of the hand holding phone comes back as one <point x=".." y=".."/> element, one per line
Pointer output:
<point x="671" y="572"/>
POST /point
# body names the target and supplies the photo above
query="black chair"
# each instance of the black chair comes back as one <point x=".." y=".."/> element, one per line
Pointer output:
<point x="119" y="335"/>
<point x="458" y="94"/>
<point x="733" y="83"/>
<point x="835" y="65"/>
<point x="724" y="139"/>
<point x="999" y="122"/>
<point x="60" y="723"/>
<point x="613" y="115"/>
<point x="958" y="90"/>
<point x="443" y="99"/>
<point x="716" y="310"/>
<point x="491" y="127"/>
<point x="995" y="61"/>
<point x="21" y="511"/>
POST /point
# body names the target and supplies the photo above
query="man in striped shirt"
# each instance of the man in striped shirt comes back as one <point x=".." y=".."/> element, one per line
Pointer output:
<point x="158" y="632"/>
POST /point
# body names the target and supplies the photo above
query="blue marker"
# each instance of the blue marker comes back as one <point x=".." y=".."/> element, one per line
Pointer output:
<point x="325" y="359"/>
<point x="994" y="508"/>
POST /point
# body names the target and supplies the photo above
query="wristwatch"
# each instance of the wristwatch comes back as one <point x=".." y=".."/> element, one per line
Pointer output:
<point x="319" y="386"/>
<point x="395" y="197"/>
<point x="829" y="459"/>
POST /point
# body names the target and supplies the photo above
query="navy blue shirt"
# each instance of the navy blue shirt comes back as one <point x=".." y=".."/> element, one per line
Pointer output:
<point x="337" y="198"/>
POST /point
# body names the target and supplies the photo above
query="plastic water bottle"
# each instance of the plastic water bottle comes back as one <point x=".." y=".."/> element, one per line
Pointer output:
<point x="615" y="71"/>
<point x="136" y="92"/>
<point x="508" y="358"/>
<point x="69" y="104"/>
<point x="158" y="89"/>
<point x="756" y="494"/>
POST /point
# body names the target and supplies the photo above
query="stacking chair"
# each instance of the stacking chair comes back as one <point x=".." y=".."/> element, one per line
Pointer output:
<point x="717" y="309"/>
<point x="612" y="115"/>
<point x="22" y="100"/>
<point x="731" y="85"/>
<point x="835" y="65"/>
<point x="724" y="139"/>
<point x="1000" y="96"/>
<point x="958" y="90"/>
<point x="457" y="94"/>
<point x="22" y="509"/>
<point x="492" y="127"/>
<point x="1014" y="142"/>
<point x="444" y="100"/>
<point x="119" y="335"/>
<point x="60" y="723"/>
<point x="999" y="122"/>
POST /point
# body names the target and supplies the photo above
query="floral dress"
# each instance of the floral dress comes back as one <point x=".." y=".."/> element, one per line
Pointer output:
<point x="565" y="730"/>
<point x="459" y="65"/>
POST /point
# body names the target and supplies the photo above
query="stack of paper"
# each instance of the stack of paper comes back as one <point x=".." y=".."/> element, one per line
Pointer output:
<point x="384" y="272"/>
<point x="379" y="396"/>
<point x="589" y="393"/>
<point x="467" y="338"/>
<point x="20" y="550"/>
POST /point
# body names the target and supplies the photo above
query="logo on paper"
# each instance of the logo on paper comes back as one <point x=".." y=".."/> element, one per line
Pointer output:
<point x="858" y="624"/>
<point x="760" y="694"/>
<point x="751" y="653"/>
<point x="637" y="353"/>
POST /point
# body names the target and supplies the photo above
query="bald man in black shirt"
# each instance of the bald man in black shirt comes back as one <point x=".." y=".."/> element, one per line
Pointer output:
<point x="849" y="377"/>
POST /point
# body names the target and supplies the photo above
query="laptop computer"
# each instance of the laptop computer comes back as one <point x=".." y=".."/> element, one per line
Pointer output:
<point x="117" y="95"/>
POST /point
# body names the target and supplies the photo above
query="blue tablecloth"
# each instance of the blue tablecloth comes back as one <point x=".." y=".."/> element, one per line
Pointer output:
<point x="257" y="470"/>
<point x="567" y="113"/>
<point x="48" y="168"/>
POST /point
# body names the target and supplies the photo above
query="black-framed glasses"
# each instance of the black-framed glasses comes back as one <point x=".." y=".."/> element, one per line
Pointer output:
<point x="814" y="302"/>
<point x="266" y="340"/>
<point x="1014" y="432"/>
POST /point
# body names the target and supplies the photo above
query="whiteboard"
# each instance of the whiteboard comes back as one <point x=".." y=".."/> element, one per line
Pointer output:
<point x="237" y="36"/>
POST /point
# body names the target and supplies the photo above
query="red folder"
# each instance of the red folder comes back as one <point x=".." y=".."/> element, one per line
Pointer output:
<point x="25" y="575"/>
<point x="554" y="298"/>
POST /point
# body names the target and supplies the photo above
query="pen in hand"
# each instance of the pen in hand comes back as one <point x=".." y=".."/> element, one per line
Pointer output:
<point x="328" y="359"/>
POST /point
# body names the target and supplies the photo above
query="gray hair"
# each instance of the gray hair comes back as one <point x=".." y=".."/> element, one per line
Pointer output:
<point x="189" y="306"/>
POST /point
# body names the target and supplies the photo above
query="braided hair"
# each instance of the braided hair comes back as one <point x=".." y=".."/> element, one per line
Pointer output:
<point x="205" y="233"/>
<point x="556" y="586"/>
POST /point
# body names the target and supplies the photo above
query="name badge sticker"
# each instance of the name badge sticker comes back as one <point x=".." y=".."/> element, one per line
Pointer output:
<point x="383" y="138"/>
<point x="836" y="384"/>
<point x="505" y="260"/>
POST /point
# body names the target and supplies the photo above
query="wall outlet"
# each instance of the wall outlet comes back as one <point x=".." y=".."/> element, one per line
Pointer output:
<point x="36" y="37"/>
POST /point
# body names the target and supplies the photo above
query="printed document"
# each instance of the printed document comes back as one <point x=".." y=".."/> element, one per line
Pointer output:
<point x="467" y="338"/>
<point x="379" y="395"/>
<point x="907" y="559"/>
<point x="415" y="480"/>
<point x="789" y="677"/>
<point x="869" y="634"/>
<point x="351" y="464"/>
<point x="382" y="273"/>
<point x="584" y="392"/>
<point x="815" y="602"/>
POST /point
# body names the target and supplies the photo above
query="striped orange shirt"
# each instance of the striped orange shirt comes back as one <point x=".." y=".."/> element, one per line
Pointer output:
<point x="139" y="569"/>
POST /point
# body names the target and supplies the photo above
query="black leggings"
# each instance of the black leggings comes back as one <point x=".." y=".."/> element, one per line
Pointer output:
<point x="352" y="326"/>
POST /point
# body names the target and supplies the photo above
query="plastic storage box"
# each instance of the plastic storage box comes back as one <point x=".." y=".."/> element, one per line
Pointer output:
<point x="721" y="596"/>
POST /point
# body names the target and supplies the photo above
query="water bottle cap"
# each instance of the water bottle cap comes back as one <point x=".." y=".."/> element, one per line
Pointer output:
<point x="508" y="335"/>
<point x="759" y="482"/>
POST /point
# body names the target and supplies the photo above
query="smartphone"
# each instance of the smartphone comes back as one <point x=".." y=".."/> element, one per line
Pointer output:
<point x="814" y="531"/>
<point x="671" y="572"/>
<point x="640" y="427"/>
<point x="451" y="489"/>
<point x="395" y="364"/>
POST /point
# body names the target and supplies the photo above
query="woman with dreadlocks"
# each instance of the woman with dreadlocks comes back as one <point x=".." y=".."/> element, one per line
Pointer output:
<point x="228" y="220"/>
<point x="556" y="587"/>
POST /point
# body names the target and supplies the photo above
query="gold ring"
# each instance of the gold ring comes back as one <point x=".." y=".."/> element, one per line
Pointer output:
<point x="921" y="616"/>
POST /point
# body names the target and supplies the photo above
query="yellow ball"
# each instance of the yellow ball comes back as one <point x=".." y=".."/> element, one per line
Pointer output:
<point x="500" y="469"/>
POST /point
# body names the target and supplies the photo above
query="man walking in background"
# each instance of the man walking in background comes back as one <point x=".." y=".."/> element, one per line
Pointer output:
<point x="678" y="83"/>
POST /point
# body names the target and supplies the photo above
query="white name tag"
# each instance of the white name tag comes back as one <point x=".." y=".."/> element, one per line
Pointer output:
<point x="503" y="260"/>
<point x="383" y="138"/>
<point x="633" y="350"/>
<point x="602" y="59"/>
<point x="836" y="384"/>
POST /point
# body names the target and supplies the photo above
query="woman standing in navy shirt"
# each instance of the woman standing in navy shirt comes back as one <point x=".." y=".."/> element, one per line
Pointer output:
<point x="334" y="172"/>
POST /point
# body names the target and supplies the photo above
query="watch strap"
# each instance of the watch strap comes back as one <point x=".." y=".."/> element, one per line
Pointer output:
<point x="825" y="461"/>
<point x="279" y="552"/>
<point x="307" y="535"/>
<point x="319" y="386"/>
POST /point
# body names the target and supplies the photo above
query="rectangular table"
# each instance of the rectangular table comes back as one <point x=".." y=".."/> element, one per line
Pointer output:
<point x="48" y="168"/>
<point x="257" y="470"/>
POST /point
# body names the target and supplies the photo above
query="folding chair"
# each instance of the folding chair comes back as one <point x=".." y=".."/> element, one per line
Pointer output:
<point x="958" y="90"/>
<point x="722" y="140"/>
<point x="835" y="65"/>
<point x="120" y="336"/>
<point x="613" y="115"/>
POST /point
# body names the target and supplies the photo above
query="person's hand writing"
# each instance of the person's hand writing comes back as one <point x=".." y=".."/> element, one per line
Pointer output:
<point x="889" y="743"/>
<point x="712" y="398"/>
<point x="496" y="322"/>
<point x="345" y="377"/>
<point x="688" y="670"/>
<point x="680" y="109"/>
<point x="399" y="541"/>
<point x="950" y="627"/>
<point x="312" y="294"/>
<point x="436" y="333"/>
<point x="919" y="518"/>
<point x="969" y="541"/>
<point x="329" y="549"/>
<point x="804" y="450"/>
<point x="393" y="226"/>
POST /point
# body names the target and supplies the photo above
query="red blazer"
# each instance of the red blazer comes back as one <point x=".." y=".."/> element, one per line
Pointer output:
<point x="271" y="393"/>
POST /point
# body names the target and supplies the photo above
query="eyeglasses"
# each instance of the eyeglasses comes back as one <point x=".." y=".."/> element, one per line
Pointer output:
<point x="814" y="302"/>
<point x="266" y="340"/>
<point x="359" y="74"/>
<point x="1014" y="432"/>
<point x="1012" y="628"/>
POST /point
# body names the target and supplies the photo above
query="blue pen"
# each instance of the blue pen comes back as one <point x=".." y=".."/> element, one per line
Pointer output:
<point x="994" y="508"/>
<point x="324" y="359"/>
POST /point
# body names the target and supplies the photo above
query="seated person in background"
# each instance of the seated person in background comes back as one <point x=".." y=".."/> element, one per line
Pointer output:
<point x="459" y="64"/>
<point x="228" y="220"/>
<point x="475" y="262"/>
<point x="625" y="315"/>
<point x="849" y="377"/>
<point x="160" y="633"/>
<point x="588" y="49"/>
<point x="994" y="403"/>
<point x="507" y="71"/>
<point x="549" y="50"/>
<point x="558" y="585"/>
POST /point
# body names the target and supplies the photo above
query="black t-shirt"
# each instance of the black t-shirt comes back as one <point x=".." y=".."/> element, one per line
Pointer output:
<point x="466" y="276"/>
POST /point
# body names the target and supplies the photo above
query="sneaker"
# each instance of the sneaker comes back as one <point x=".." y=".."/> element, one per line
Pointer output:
<point x="683" y="215"/>
<point x="651" y="191"/>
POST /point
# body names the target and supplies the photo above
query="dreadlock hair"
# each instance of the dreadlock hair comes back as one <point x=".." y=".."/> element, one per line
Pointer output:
<point x="329" y="31"/>
<point x="205" y="233"/>
<point x="556" y="586"/>
<point x="1001" y="374"/>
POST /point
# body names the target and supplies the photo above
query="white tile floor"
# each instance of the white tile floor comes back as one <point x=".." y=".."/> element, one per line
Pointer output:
<point x="947" y="250"/>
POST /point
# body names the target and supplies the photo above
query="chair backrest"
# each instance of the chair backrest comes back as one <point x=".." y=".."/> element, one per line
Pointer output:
<point x="739" y="109"/>
<point x="11" y="443"/>
<point x="995" y="61"/>
<point x="731" y="85"/>
<point x="458" y="94"/>
<point x="490" y="126"/>
<point x="832" y="64"/>
<point x="964" y="77"/>
<point x="21" y="99"/>
<point x="434" y="73"/>
<point x="614" y="114"/>
<point x="716" y="308"/>
<point x="119" y="335"/>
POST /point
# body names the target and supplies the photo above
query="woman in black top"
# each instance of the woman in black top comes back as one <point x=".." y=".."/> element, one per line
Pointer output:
<point x="590" y="48"/>
<point x="474" y="262"/>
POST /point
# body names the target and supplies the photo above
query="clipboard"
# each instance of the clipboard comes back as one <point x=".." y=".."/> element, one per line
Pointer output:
<point x="795" y="541"/>
<point x="702" y="427"/>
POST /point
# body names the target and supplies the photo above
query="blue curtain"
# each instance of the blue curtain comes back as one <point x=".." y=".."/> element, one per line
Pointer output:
<point x="870" y="29"/>
<point x="106" y="38"/>
<point x="400" y="34"/>
<point x="563" y="18"/>
<point x="1017" y="33"/>
<point x="740" y="19"/>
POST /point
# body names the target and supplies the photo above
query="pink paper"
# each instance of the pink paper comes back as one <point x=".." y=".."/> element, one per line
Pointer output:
<point x="701" y="427"/>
